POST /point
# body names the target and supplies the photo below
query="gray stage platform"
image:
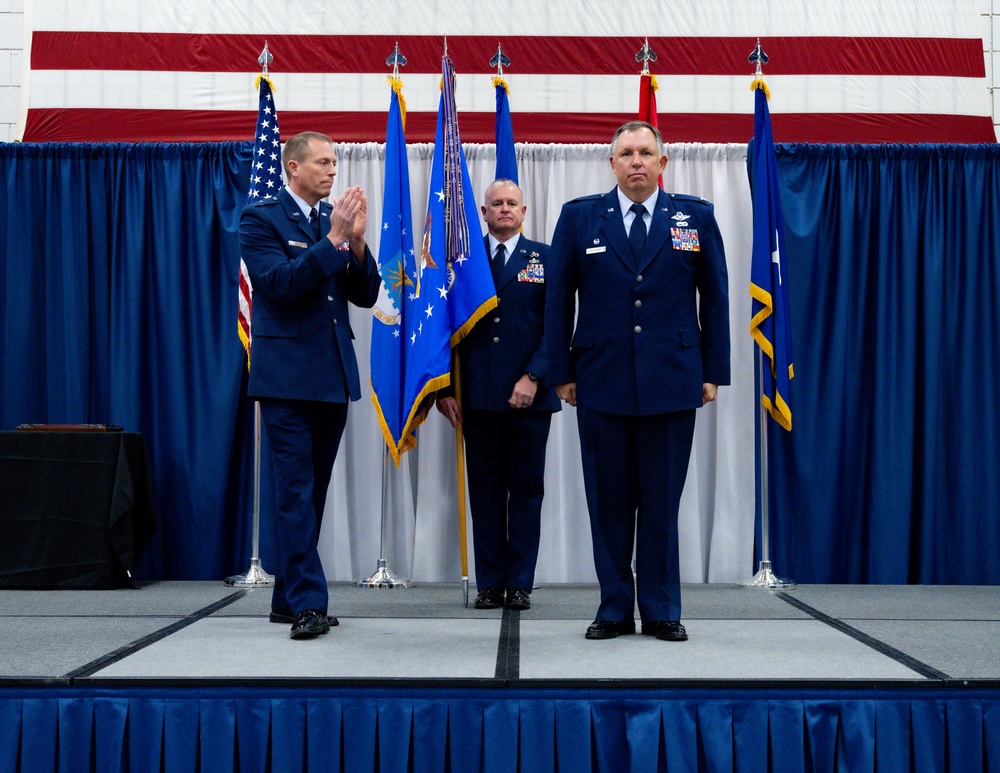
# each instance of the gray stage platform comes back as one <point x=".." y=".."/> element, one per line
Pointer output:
<point x="205" y="632"/>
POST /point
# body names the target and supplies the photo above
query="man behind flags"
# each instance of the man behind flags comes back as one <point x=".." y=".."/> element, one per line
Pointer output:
<point x="439" y="291"/>
<point x="769" y="323"/>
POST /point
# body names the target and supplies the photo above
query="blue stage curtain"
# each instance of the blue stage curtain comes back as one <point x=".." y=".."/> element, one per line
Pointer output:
<point x="430" y="733"/>
<point x="225" y="730"/>
<point x="119" y="266"/>
<point x="889" y="474"/>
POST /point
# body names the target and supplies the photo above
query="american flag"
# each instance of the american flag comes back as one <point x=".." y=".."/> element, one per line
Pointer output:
<point x="265" y="181"/>
<point x="172" y="70"/>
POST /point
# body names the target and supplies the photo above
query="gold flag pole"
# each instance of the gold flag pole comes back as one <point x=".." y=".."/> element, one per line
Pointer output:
<point x="463" y="548"/>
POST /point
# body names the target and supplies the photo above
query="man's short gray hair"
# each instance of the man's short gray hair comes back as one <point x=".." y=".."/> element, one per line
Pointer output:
<point x="632" y="126"/>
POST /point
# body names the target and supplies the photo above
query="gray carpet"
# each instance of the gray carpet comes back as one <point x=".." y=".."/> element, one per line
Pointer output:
<point x="204" y="631"/>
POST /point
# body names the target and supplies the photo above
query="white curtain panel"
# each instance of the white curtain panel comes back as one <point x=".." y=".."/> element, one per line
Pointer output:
<point x="410" y="515"/>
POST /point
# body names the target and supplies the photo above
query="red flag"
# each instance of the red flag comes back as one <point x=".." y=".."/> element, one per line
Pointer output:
<point x="647" y="103"/>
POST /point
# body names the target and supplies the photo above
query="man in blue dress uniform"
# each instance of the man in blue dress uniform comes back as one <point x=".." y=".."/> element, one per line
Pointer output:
<point x="646" y="271"/>
<point x="507" y="408"/>
<point x="307" y="259"/>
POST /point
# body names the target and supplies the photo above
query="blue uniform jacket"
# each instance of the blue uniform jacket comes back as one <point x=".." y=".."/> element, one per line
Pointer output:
<point x="508" y="341"/>
<point x="301" y="333"/>
<point x="643" y="343"/>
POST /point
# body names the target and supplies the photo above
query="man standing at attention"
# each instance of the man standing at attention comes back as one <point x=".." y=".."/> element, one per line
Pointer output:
<point x="507" y="408"/>
<point x="650" y="345"/>
<point x="307" y="259"/>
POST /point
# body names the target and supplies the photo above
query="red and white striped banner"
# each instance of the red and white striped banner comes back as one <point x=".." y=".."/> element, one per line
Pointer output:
<point x="183" y="70"/>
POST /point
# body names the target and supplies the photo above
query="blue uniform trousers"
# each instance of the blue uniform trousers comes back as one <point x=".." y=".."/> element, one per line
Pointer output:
<point x="505" y="454"/>
<point x="634" y="470"/>
<point x="304" y="436"/>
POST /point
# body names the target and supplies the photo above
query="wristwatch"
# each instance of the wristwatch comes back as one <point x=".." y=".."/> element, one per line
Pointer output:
<point x="531" y="377"/>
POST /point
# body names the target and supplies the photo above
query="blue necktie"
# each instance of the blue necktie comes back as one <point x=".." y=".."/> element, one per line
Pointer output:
<point x="637" y="234"/>
<point x="314" y="221"/>
<point x="498" y="263"/>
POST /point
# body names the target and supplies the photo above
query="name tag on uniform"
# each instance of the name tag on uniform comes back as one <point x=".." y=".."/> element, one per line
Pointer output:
<point x="292" y="243"/>
<point x="592" y="250"/>
<point x="685" y="239"/>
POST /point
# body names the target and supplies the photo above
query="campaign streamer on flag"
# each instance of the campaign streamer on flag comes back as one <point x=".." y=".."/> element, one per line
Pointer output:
<point x="769" y="323"/>
<point x="506" y="156"/>
<point x="265" y="181"/>
<point x="442" y="292"/>
<point x="397" y="265"/>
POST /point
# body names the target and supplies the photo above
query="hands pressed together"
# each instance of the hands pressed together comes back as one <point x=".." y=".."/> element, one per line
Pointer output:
<point x="348" y="221"/>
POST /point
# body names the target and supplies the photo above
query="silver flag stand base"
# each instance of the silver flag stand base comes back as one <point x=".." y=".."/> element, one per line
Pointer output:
<point x="765" y="578"/>
<point x="465" y="590"/>
<point x="255" y="576"/>
<point x="383" y="578"/>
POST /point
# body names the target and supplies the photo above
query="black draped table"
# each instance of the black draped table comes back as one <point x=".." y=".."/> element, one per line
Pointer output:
<point x="76" y="508"/>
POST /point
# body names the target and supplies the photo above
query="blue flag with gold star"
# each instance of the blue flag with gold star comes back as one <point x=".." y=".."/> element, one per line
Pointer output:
<point x="769" y="322"/>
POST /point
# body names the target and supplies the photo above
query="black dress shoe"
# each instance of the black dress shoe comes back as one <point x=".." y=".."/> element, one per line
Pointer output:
<point x="518" y="598"/>
<point x="287" y="617"/>
<point x="489" y="598"/>
<point x="666" y="630"/>
<point x="309" y="623"/>
<point x="609" y="629"/>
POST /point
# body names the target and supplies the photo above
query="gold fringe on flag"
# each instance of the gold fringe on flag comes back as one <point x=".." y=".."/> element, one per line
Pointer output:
<point x="498" y="81"/>
<point x="758" y="83"/>
<point x="262" y="77"/>
<point x="397" y="86"/>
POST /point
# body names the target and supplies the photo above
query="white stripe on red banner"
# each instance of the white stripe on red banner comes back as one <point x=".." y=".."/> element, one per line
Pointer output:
<point x="533" y="93"/>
